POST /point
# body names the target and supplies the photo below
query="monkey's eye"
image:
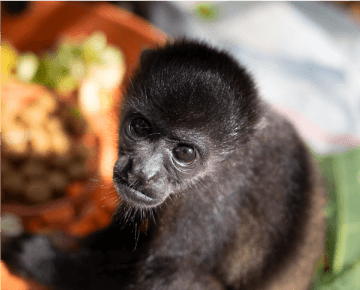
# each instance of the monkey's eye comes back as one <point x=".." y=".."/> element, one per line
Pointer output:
<point x="139" y="127"/>
<point x="184" y="153"/>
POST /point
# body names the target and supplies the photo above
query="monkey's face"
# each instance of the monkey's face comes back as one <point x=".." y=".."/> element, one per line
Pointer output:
<point x="154" y="163"/>
<point x="184" y="113"/>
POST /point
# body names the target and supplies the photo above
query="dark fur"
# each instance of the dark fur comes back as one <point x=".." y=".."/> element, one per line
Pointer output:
<point x="246" y="214"/>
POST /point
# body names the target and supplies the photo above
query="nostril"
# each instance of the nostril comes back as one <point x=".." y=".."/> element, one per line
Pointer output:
<point x="121" y="169"/>
<point x="132" y="180"/>
<point x="153" y="178"/>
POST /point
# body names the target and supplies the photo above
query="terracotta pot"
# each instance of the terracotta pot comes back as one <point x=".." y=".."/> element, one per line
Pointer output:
<point x="38" y="30"/>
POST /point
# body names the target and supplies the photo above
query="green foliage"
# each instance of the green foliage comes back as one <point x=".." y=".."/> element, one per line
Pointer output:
<point x="64" y="69"/>
<point x="342" y="180"/>
<point x="206" y="11"/>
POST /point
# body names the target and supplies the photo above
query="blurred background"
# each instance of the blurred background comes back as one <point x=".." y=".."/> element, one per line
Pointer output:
<point x="305" y="57"/>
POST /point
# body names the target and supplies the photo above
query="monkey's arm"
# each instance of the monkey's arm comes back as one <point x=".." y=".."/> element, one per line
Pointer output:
<point x="104" y="259"/>
<point x="95" y="267"/>
<point x="100" y="260"/>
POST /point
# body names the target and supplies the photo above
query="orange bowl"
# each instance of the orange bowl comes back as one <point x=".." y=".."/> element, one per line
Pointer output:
<point x="87" y="207"/>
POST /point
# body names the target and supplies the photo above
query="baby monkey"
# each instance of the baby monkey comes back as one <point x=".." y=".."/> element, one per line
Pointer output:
<point x="228" y="191"/>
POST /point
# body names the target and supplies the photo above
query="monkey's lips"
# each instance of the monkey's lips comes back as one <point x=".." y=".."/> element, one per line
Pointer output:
<point x="134" y="196"/>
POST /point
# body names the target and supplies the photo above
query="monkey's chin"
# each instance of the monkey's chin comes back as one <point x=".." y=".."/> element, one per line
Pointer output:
<point x="135" y="197"/>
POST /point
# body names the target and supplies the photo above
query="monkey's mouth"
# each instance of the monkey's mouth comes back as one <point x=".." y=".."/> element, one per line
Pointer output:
<point x="132" y="195"/>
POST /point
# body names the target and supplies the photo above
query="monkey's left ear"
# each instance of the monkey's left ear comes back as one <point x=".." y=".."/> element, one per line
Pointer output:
<point x="146" y="55"/>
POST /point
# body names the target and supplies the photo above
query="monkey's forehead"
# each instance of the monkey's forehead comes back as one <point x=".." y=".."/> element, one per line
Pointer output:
<point x="194" y="97"/>
<point x="181" y="110"/>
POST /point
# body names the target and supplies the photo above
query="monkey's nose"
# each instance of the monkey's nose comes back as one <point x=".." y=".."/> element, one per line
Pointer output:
<point x="143" y="178"/>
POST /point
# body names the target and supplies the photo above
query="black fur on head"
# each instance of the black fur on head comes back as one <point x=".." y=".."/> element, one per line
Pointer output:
<point x="185" y="96"/>
<point x="188" y="84"/>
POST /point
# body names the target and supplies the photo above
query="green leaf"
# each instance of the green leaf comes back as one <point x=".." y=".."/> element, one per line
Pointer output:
<point x="326" y="164"/>
<point x="341" y="174"/>
<point x="93" y="47"/>
<point x="346" y="172"/>
<point x="347" y="279"/>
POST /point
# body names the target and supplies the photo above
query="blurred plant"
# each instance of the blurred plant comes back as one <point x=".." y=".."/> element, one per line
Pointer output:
<point x="65" y="69"/>
<point x="206" y="11"/>
<point x="88" y="65"/>
<point x="341" y="268"/>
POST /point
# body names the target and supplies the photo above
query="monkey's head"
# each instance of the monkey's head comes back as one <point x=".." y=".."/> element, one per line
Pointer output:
<point x="188" y="109"/>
